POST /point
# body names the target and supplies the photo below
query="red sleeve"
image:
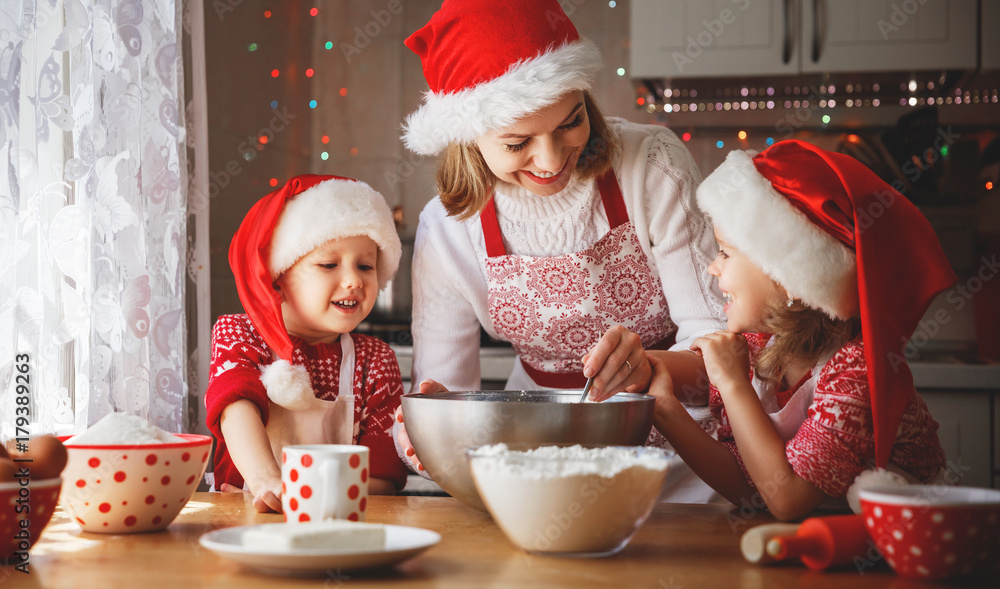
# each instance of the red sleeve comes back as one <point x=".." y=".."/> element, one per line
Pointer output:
<point x="834" y="443"/>
<point x="234" y="374"/>
<point x="378" y="392"/>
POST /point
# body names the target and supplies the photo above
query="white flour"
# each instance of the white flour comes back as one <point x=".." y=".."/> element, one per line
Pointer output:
<point x="123" y="429"/>
<point x="589" y="501"/>
<point x="572" y="461"/>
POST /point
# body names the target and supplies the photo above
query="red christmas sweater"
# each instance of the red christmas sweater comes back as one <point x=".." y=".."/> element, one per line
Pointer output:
<point x="836" y="442"/>
<point x="238" y="354"/>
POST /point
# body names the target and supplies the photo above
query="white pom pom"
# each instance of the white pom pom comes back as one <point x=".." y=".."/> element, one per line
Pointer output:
<point x="288" y="385"/>
<point x="876" y="477"/>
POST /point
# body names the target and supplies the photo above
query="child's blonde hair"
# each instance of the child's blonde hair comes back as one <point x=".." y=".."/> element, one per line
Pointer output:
<point x="799" y="333"/>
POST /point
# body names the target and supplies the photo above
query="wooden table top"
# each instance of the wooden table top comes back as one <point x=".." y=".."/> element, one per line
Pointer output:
<point x="680" y="546"/>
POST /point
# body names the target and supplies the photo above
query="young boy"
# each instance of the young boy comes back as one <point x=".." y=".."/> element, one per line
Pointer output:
<point x="309" y="260"/>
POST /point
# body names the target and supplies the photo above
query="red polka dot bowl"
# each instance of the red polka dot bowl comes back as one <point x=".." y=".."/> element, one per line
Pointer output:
<point x="934" y="532"/>
<point x="24" y="513"/>
<point x="122" y="489"/>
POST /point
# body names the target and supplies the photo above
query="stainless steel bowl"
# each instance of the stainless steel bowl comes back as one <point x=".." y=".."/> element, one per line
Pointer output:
<point x="442" y="426"/>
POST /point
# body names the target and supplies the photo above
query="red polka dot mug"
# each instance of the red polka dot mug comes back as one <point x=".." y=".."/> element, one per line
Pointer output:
<point x="934" y="532"/>
<point x="324" y="481"/>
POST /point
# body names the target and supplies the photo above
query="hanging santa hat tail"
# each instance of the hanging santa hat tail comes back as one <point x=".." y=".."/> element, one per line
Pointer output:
<point x="280" y="228"/>
<point x="841" y="240"/>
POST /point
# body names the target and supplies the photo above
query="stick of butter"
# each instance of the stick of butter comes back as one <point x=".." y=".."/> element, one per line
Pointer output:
<point x="329" y="534"/>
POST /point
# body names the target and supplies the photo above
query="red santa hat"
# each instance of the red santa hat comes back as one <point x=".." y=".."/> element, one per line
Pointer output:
<point x="285" y="225"/>
<point x="841" y="240"/>
<point x="489" y="64"/>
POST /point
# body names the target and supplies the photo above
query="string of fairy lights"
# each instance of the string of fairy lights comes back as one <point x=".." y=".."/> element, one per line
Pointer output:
<point x="313" y="103"/>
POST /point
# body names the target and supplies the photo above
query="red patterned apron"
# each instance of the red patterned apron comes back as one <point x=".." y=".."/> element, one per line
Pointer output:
<point x="553" y="310"/>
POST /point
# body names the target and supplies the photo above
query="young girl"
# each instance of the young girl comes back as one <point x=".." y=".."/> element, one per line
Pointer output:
<point x="309" y="260"/>
<point x="838" y="268"/>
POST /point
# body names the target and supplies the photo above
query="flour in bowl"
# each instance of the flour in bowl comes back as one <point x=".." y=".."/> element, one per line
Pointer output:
<point x="570" y="500"/>
<point x="123" y="429"/>
<point x="548" y="462"/>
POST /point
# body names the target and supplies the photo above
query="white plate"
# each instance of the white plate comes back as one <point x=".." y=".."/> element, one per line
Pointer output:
<point x="401" y="542"/>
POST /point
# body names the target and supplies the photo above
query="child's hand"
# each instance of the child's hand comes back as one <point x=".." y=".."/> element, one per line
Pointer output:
<point x="266" y="494"/>
<point x="661" y="388"/>
<point x="617" y="363"/>
<point x="727" y="358"/>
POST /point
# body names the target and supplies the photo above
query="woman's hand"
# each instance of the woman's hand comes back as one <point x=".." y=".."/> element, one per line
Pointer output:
<point x="266" y="494"/>
<point x="617" y="363"/>
<point x="426" y="387"/>
<point x="727" y="358"/>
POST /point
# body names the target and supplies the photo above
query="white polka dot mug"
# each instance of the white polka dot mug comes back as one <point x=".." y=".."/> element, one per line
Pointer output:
<point x="324" y="481"/>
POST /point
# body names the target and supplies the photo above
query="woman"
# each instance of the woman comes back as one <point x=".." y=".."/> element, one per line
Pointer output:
<point x="574" y="237"/>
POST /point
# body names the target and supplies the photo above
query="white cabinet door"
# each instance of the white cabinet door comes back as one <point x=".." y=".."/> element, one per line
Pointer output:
<point x="698" y="38"/>
<point x="888" y="35"/>
<point x="964" y="433"/>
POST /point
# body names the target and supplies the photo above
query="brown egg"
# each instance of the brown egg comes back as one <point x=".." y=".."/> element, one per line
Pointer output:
<point x="48" y="457"/>
<point x="7" y="470"/>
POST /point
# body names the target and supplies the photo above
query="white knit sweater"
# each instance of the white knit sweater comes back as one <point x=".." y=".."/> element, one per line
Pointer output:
<point x="658" y="180"/>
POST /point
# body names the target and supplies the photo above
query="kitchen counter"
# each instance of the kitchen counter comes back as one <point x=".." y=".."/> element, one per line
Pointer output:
<point x="681" y="545"/>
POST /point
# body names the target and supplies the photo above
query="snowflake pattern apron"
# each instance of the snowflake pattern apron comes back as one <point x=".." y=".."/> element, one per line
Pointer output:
<point x="331" y="424"/>
<point x="553" y="310"/>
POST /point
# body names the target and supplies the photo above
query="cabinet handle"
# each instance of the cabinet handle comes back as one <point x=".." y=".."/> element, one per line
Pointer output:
<point x="818" y="6"/>
<point x="786" y="51"/>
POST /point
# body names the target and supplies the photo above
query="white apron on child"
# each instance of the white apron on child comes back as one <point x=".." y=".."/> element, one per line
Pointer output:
<point x="332" y="423"/>
<point x="554" y="309"/>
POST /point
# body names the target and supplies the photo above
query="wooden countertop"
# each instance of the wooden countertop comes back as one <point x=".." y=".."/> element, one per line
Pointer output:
<point x="680" y="546"/>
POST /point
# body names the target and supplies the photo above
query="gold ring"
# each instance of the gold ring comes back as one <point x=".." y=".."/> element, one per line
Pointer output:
<point x="629" y="366"/>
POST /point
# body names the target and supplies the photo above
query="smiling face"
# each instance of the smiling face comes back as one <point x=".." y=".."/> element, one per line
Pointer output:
<point x="539" y="152"/>
<point x="747" y="289"/>
<point x="330" y="290"/>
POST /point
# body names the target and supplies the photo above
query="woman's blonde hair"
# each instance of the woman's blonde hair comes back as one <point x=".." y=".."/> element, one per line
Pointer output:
<point x="465" y="182"/>
<point x="799" y="333"/>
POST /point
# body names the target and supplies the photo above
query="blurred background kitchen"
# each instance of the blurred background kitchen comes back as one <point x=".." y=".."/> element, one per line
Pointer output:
<point x="908" y="87"/>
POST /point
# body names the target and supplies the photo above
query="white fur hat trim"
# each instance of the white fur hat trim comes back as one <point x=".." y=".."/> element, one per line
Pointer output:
<point x="876" y="477"/>
<point x="334" y="209"/>
<point x="528" y="86"/>
<point x="759" y="221"/>
<point x="288" y="385"/>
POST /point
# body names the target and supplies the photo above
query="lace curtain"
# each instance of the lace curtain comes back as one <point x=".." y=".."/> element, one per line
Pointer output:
<point x="98" y="254"/>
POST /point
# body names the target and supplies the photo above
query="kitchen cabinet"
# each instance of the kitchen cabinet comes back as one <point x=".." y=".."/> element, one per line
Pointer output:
<point x="686" y="38"/>
<point x="697" y="38"/>
<point x="965" y="433"/>
<point x="989" y="26"/>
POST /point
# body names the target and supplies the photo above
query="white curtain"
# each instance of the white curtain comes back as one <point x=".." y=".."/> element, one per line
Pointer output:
<point x="97" y="244"/>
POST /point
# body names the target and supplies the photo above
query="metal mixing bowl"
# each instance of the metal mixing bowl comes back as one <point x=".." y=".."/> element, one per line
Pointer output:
<point x="442" y="426"/>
